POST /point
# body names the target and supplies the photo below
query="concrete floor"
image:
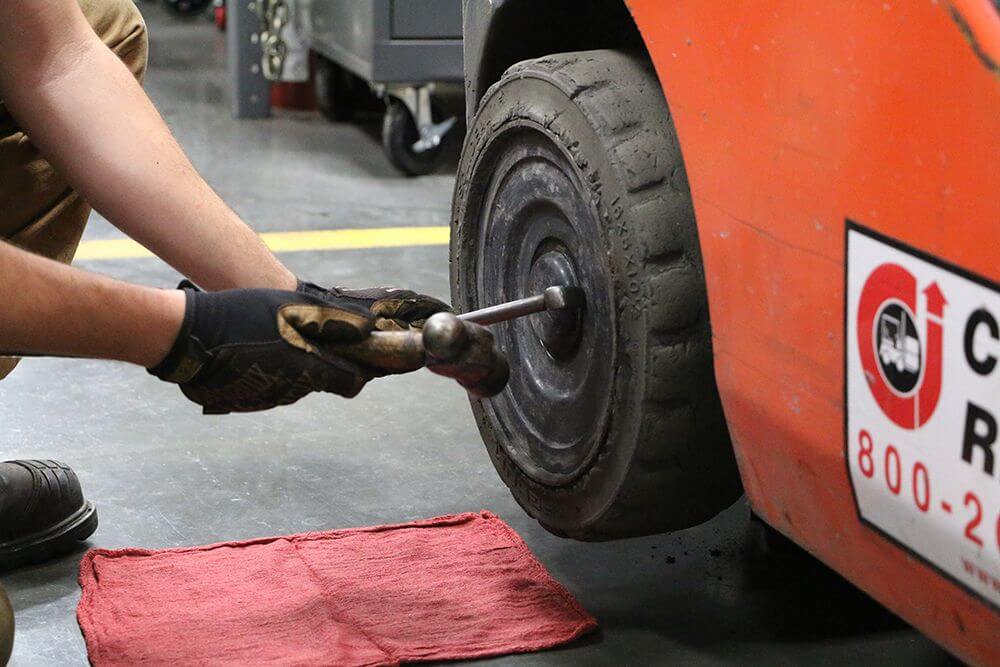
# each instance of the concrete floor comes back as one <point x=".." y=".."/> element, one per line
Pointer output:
<point x="164" y="476"/>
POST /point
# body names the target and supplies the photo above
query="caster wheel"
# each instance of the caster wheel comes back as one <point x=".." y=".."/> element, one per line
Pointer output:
<point x="399" y="134"/>
<point x="611" y="424"/>
<point x="186" y="9"/>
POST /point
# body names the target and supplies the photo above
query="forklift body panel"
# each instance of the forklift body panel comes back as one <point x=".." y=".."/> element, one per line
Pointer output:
<point x="823" y="143"/>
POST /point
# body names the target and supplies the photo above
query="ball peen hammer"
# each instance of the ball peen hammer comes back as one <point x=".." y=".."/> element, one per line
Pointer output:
<point x="458" y="346"/>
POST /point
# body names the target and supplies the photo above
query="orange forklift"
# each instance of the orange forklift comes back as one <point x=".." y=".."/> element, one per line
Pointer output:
<point x="786" y="219"/>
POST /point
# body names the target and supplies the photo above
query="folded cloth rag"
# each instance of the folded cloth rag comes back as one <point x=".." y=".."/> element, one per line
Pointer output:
<point x="461" y="586"/>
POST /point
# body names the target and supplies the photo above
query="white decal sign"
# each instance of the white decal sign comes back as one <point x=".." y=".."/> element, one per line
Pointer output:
<point x="922" y="408"/>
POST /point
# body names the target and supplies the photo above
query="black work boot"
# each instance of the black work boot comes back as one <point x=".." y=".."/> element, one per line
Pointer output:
<point x="42" y="512"/>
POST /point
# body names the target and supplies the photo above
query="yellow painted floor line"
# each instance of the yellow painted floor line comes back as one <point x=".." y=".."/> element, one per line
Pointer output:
<point x="320" y="239"/>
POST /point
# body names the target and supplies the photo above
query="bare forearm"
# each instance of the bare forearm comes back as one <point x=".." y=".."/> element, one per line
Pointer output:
<point x="52" y="309"/>
<point x="88" y="115"/>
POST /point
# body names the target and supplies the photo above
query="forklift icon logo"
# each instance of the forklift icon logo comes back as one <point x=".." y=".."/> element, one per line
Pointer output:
<point x="902" y="367"/>
<point x="898" y="347"/>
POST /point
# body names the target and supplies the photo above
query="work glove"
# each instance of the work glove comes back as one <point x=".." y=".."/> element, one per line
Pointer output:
<point x="245" y="350"/>
<point x="392" y="309"/>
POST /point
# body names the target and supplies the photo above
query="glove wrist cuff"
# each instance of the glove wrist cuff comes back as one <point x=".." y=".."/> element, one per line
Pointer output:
<point x="304" y="287"/>
<point x="185" y="358"/>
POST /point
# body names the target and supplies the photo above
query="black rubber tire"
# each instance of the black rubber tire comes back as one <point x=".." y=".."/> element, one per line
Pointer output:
<point x="399" y="133"/>
<point x="664" y="460"/>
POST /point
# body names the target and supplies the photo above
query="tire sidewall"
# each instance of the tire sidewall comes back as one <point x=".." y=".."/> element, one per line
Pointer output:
<point x="552" y="112"/>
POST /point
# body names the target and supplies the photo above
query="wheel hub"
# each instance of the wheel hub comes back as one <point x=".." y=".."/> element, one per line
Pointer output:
<point x="558" y="330"/>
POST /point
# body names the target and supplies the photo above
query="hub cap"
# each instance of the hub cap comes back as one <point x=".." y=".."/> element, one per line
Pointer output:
<point x="558" y="330"/>
<point x="537" y="228"/>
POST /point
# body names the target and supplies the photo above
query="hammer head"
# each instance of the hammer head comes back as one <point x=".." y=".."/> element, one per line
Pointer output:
<point x="563" y="297"/>
<point x="465" y="352"/>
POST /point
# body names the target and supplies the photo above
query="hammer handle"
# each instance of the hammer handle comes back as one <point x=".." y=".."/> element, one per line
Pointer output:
<point x="393" y="351"/>
<point x="460" y="350"/>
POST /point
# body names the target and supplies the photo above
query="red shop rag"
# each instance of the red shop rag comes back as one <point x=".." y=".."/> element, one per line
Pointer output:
<point x="454" y="587"/>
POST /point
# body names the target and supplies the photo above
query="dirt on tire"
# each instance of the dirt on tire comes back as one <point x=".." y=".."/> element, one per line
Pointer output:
<point x="665" y="460"/>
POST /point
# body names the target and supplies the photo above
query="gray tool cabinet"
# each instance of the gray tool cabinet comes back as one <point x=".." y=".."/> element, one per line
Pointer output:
<point x="398" y="49"/>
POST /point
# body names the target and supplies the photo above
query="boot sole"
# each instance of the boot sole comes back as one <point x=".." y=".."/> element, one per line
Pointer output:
<point x="51" y="542"/>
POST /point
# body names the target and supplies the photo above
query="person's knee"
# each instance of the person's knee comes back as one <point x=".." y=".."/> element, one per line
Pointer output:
<point x="120" y="25"/>
<point x="6" y="628"/>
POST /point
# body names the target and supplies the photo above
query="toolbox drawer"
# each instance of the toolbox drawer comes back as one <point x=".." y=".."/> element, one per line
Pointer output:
<point x="427" y="19"/>
<point x="387" y="41"/>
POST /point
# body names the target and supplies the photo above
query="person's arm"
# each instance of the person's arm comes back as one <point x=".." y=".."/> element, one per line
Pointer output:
<point x="90" y="118"/>
<point x="53" y="309"/>
<point x="237" y="350"/>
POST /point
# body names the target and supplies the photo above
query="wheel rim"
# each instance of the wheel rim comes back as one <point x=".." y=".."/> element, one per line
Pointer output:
<point x="537" y="228"/>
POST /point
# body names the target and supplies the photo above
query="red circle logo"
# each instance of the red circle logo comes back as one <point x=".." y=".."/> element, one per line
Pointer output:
<point x="902" y="364"/>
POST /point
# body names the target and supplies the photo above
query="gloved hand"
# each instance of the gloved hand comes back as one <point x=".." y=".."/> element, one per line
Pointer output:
<point x="393" y="309"/>
<point x="253" y="349"/>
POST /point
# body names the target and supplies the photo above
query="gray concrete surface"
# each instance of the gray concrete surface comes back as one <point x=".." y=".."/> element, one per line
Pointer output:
<point x="164" y="476"/>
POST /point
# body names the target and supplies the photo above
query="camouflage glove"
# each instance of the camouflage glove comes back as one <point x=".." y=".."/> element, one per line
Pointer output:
<point x="253" y="349"/>
<point x="393" y="309"/>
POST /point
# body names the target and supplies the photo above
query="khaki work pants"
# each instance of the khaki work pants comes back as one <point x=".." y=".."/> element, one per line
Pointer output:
<point x="38" y="209"/>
